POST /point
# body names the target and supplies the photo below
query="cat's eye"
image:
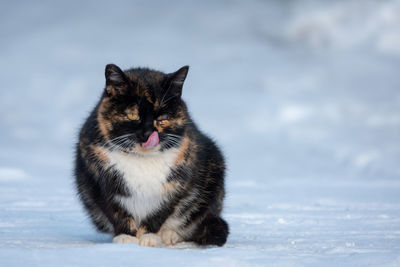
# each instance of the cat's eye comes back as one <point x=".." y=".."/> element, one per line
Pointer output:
<point x="163" y="117"/>
<point x="133" y="116"/>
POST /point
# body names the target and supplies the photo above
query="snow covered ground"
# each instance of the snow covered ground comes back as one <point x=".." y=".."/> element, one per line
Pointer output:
<point x="306" y="106"/>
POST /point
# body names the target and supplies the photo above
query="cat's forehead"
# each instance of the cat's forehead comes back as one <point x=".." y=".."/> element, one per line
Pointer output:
<point x="148" y="83"/>
<point x="146" y="77"/>
<point x="132" y="102"/>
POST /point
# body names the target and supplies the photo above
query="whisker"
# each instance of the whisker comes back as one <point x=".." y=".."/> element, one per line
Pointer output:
<point x="121" y="136"/>
<point x="173" y="135"/>
<point x="173" y="140"/>
<point x="120" y="142"/>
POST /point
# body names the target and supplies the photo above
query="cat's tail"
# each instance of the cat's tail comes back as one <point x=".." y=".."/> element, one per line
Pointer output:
<point x="212" y="231"/>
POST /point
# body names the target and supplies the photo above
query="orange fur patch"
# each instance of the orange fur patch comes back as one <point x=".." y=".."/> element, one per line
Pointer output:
<point x="141" y="231"/>
<point x="99" y="152"/>
<point x="171" y="187"/>
<point x="148" y="96"/>
<point x="160" y="125"/>
<point x="111" y="90"/>
<point x="104" y="125"/>
<point x="182" y="151"/>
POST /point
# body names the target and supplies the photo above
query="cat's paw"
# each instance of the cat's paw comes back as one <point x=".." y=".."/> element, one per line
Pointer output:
<point x="150" y="240"/>
<point x="170" y="237"/>
<point x="125" y="239"/>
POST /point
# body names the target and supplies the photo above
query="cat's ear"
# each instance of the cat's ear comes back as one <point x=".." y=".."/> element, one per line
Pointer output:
<point x="115" y="79"/>
<point x="176" y="81"/>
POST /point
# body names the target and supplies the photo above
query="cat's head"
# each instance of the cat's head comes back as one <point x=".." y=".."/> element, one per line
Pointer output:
<point x="141" y="110"/>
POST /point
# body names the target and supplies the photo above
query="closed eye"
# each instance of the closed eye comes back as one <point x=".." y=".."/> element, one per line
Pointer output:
<point x="163" y="117"/>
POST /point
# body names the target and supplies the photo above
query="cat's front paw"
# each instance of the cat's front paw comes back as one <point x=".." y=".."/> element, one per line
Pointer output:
<point x="150" y="240"/>
<point x="170" y="237"/>
<point x="125" y="239"/>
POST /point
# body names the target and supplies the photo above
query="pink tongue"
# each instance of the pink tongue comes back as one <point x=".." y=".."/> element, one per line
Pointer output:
<point x="152" y="141"/>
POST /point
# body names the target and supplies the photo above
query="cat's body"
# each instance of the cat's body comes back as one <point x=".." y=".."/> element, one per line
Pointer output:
<point x="144" y="171"/>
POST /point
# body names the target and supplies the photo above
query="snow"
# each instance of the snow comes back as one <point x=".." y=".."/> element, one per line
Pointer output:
<point x="305" y="104"/>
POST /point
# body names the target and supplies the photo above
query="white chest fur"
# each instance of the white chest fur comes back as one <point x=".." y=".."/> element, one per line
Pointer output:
<point x="144" y="177"/>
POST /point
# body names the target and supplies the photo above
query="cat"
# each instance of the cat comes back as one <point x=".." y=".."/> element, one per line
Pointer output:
<point x="143" y="170"/>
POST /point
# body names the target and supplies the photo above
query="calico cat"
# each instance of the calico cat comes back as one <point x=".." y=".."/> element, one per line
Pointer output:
<point x="144" y="171"/>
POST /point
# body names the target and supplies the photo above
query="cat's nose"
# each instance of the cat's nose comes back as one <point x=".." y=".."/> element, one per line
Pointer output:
<point x="148" y="128"/>
<point x="147" y="133"/>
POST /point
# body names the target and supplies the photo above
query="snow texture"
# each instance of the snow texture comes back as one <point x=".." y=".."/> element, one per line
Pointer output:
<point x="305" y="103"/>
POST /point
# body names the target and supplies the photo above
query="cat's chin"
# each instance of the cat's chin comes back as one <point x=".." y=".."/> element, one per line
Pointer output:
<point x="138" y="150"/>
<point x="141" y="150"/>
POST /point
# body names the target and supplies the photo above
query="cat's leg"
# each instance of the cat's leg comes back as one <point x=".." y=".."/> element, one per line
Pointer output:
<point x="125" y="231"/>
<point x="147" y="238"/>
<point x="176" y="229"/>
<point x="115" y="221"/>
<point x="149" y="232"/>
<point x="119" y="222"/>
<point x="125" y="239"/>
<point x="123" y="225"/>
<point x="170" y="237"/>
<point x="107" y="216"/>
<point x="125" y="228"/>
<point x="150" y="240"/>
